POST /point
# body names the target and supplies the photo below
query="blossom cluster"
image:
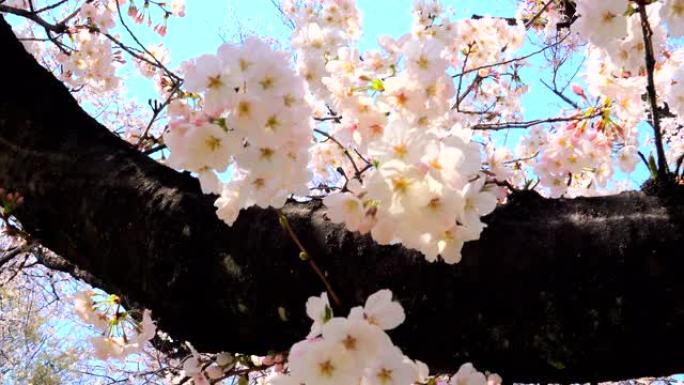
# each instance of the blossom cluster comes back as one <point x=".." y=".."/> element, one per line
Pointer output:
<point x="352" y="350"/>
<point x="155" y="54"/>
<point x="321" y="28"/>
<point x="576" y="156"/>
<point x="91" y="60"/>
<point x="472" y="46"/>
<point x="121" y="335"/>
<point x="421" y="185"/>
<point x="615" y="26"/>
<point x="357" y="350"/>
<point x="93" y="53"/>
<point x="252" y="117"/>
<point x="616" y="53"/>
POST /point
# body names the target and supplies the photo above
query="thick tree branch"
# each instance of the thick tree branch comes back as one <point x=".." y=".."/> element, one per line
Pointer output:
<point x="556" y="290"/>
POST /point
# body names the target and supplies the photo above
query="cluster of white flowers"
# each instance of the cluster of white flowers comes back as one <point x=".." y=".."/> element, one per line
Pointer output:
<point x="616" y="57"/>
<point x="569" y="152"/>
<point x="673" y="134"/>
<point x="357" y="350"/>
<point x="253" y="117"/>
<point x="205" y="369"/>
<point x="121" y="335"/>
<point x="93" y="63"/>
<point x="473" y="43"/>
<point x="468" y="375"/>
<point x="546" y="22"/>
<point x="577" y="158"/>
<point x="672" y="12"/>
<point x="394" y="110"/>
<point x="424" y="193"/>
<point x="338" y="350"/>
<point x="157" y="54"/>
<point x="99" y="14"/>
<point x="615" y="75"/>
<point x="321" y="28"/>
<point x="352" y="350"/>
<point x="615" y="26"/>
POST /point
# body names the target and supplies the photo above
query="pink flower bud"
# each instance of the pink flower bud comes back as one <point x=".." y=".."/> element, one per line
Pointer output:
<point x="577" y="89"/>
<point x="132" y="10"/>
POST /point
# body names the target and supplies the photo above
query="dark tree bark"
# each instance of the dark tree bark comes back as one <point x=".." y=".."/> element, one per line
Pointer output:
<point x="555" y="290"/>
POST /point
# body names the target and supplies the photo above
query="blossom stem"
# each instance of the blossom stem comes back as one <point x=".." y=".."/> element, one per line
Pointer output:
<point x="305" y="256"/>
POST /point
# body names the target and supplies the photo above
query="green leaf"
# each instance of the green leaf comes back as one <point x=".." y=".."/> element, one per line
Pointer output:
<point x="327" y="316"/>
<point x="652" y="167"/>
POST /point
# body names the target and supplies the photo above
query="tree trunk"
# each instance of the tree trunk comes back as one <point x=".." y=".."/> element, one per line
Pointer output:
<point x="555" y="290"/>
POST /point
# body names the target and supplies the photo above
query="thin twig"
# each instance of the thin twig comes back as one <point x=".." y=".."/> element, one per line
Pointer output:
<point x="515" y="59"/>
<point x="50" y="6"/>
<point x="560" y="95"/>
<point x="643" y="159"/>
<point x="460" y="79"/>
<point x="305" y="256"/>
<point x="158" y="64"/>
<point x="357" y="172"/>
<point x="157" y="111"/>
<point x="646" y="30"/>
<point x="58" y="28"/>
<point x="530" y="123"/>
<point x="529" y="23"/>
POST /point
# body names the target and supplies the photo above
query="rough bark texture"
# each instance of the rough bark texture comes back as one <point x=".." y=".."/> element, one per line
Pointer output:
<point x="556" y="290"/>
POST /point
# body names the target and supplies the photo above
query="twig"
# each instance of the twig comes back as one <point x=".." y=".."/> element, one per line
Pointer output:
<point x="680" y="159"/>
<point x="50" y="6"/>
<point x="527" y="124"/>
<point x="157" y="110"/>
<point x="529" y="23"/>
<point x="643" y="159"/>
<point x="522" y="159"/>
<point x="560" y="95"/>
<point x="646" y="30"/>
<point x="157" y="63"/>
<point x="154" y="149"/>
<point x="357" y="172"/>
<point x="336" y="119"/>
<point x="305" y="256"/>
<point x="515" y="59"/>
<point x="59" y="27"/>
<point x="460" y="80"/>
